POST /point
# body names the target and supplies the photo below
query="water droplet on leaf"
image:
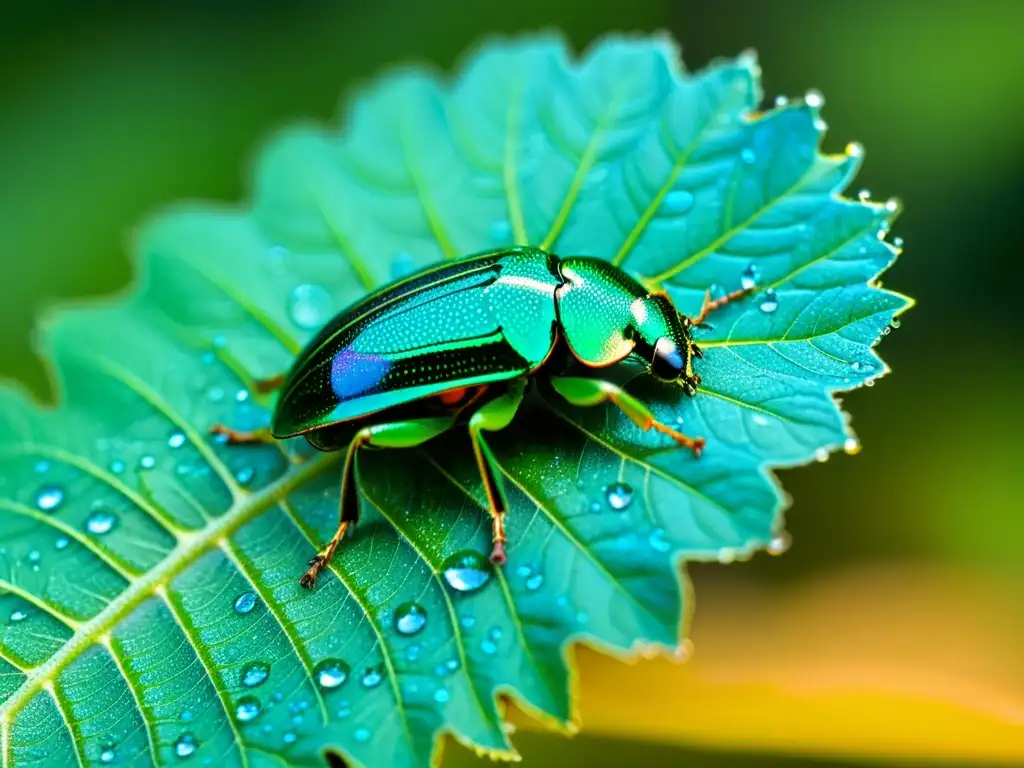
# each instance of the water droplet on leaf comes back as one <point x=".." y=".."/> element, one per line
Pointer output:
<point x="309" y="306"/>
<point x="255" y="674"/>
<point x="402" y="265"/>
<point x="467" y="571"/>
<point x="770" y="302"/>
<point x="18" y="615"/>
<point x="747" y="155"/>
<point x="101" y="521"/>
<point x="677" y="202"/>
<point x="177" y="439"/>
<point x="748" y="278"/>
<point x="779" y="544"/>
<point x="186" y="745"/>
<point x="248" y="709"/>
<point x="372" y="677"/>
<point x="441" y="696"/>
<point x="619" y="495"/>
<point x="49" y="498"/>
<point x="245" y="602"/>
<point x="331" y="674"/>
<point x="658" y="541"/>
<point x="410" y="618"/>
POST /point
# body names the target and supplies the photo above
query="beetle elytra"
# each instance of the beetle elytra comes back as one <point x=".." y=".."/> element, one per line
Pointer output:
<point x="458" y="344"/>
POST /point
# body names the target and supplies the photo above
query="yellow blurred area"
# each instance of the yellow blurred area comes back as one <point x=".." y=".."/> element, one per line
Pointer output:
<point x="873" y="662"/>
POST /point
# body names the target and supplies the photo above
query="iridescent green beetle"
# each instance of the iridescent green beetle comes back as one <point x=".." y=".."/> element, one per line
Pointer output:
<point x="459" y="343"/>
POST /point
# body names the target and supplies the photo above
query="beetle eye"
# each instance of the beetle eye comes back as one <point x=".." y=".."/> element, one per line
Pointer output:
<point x="668" y="363"/>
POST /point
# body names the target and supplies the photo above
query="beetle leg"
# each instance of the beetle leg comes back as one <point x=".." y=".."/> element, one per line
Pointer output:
<point x="237" y="437"/>
<point x="710" y="305"/>
<point x="271" y="384"/>
<point x="493" y="416"/>
<point x="587" y="392"/>
<point x="399" y="434"/>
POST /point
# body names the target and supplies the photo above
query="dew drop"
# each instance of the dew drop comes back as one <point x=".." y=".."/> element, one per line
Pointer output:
<point x="658" y="541"/>
<point x="309" y="305"/>
<point x="244" y="603"/>
<point x="361" y="735"/>
<point x="501" y="231"/>
<point x="852" y="446"/>
<point x="488" y="647"/>
<point x="441" y="696"/>
<point x="49" y="498"/>
<point x="410" y="618"/>
<point x="677" y="202"/>
<point x="895" y="322"/>
<point x="372" y="677"/>
<point x="177" y="439"/>
<point x="781" y="101"/>
<point x="535" y="582"/>
<point x="35" y="557"/>
<point x="216" y="394"/>
<point x="864" y="195"/>
<point x="595" y="506"/>
<point x="748" y="278"/>
<point x="821" y="455"/>
<point x="245" y="475"/>
<point x="813" y="98"/>
<point x="147" y="462"/>
<point x="117" y="466"/>
<point x="747" y="155"/>
<point x="277" y="253"/>
<point x="186" y="716"/>
<point x="42" y="466"/>
<point x="466" y="571"/>
<point x="248" y="709"/>
<point x="898" y="242"/>
<point x="855" y="149"/>
<point x="779" y="544"/>
<point x="241" y="395"/>
<point x="101" y="521"/>
<point x="403" y="265"/>
<point x="289" y="738"/>
<point x="18" y="615"/>
<point x="186" y="745"/>
<point x="412" y="653"/>
<point x="619" y="495"/>
<point x="331" y="674"/>
<point x="770" y="302"/>
<point x="344" y="710"/>
<point x="255" y="674"/>
<point x="61" y="544"/>
<point x="108" y="755"/>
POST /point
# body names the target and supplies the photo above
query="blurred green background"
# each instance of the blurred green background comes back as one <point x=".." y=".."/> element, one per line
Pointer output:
<point x="111" y="109"/>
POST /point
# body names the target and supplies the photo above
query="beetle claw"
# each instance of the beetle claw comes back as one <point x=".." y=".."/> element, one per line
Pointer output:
<point x="498" y="556"/>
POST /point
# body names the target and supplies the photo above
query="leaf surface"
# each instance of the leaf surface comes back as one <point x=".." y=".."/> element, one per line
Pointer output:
<point x="148" y="574"/>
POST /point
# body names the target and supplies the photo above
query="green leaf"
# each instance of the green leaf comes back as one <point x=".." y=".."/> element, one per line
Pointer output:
<point x="148" y="574"/>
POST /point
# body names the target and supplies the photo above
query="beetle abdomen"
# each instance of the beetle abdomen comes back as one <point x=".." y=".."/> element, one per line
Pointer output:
<point x="482" y="320"/>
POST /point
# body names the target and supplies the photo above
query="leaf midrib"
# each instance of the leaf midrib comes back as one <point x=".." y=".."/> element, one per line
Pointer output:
<point x="189" y="549"/>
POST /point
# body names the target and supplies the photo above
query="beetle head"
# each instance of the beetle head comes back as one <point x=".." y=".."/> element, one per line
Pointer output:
<point x="662" y="338"/>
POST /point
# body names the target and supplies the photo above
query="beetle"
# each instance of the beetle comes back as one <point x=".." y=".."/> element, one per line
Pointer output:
<point x="458" y="344"/>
